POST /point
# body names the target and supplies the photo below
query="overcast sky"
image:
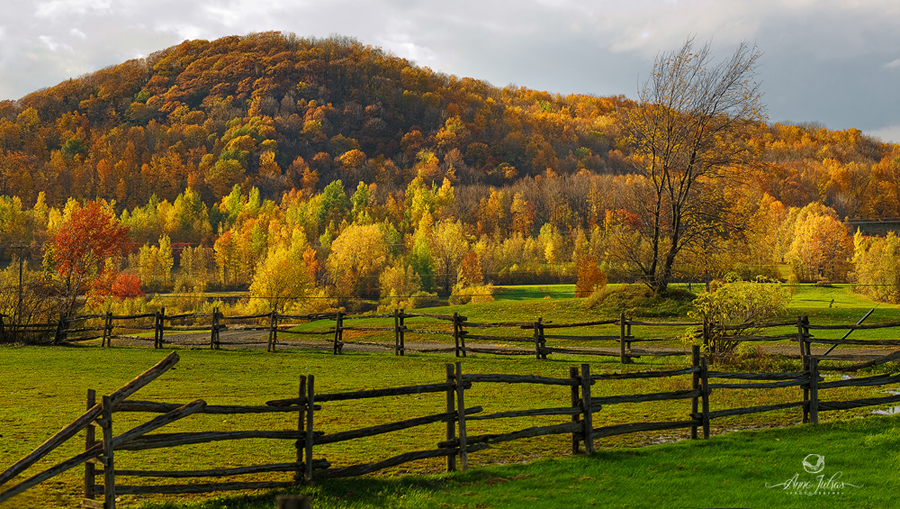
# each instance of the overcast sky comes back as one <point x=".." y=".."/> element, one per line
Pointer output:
<point x="836" y="62"/>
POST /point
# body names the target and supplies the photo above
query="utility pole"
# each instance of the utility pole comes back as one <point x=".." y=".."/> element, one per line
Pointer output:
<point x="21" y="249"/>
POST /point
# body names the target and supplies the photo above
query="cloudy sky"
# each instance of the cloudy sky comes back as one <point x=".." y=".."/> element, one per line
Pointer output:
<point x="835" y="62"/>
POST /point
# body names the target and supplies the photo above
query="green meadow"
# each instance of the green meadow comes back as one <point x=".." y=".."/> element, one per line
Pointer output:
<point x="45" y="388"/>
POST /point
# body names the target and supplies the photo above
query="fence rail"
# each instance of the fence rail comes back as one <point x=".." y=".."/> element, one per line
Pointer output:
<point x="576" y="407"/>
<point x="538" y="338"/>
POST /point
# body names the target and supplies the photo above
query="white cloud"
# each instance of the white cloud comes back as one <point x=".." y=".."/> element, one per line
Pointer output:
<point x="58" y="8"/>
<point x="892" y="65"/>
<point x="889" y="134"/>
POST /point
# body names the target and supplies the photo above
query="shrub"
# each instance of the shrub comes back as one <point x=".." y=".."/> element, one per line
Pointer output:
<point x="472" y="294"/>
<point x="741" y="305"/>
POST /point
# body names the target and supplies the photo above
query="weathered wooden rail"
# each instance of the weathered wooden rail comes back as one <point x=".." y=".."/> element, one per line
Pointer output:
<point x="578" y="404"/>
<point x="538" y="338"/>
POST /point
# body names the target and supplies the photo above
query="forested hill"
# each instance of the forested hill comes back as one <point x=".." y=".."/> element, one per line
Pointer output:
<point x="270" y="110"/>
<point x="279" y="112"/>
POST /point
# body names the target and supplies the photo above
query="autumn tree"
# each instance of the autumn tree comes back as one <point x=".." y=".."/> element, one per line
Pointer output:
<point x="357" y="257"/>
<point x="282" y="276"/>
<point x="78" y="254"/>
<point x="687" y="132"/>
<point x="821" y="248"/>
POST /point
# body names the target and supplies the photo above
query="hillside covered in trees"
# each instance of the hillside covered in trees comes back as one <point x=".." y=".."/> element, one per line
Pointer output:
<point x="223" y="156"/>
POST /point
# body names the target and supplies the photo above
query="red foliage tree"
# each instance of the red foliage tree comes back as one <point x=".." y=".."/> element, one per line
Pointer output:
<point x="79" y="252"/>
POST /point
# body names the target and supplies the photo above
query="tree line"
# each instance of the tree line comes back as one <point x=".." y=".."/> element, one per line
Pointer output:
<point x="222" y="165"/>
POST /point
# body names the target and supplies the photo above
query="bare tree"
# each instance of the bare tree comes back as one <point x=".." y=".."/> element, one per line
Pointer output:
<point x="690" y="128"/>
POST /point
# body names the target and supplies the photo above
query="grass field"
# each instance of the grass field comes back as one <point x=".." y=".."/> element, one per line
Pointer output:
<point x="741" y="469"/>
<point x="44" y="389"/>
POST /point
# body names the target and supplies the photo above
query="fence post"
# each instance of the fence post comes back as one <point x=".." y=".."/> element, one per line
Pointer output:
<point x="161" y="326"/>
<point x="89" y="441"/>
<point x="60" y="327"/>
<point x="308" y="445"/>
<point x="704" y="388"/>
<point x="214" y="330"/>
<point x="695" y="385"/>
<point x="402" y="331"/>
<point x="459" y="332"/>
<point x="273" y="331"/>
<point x="107" y="329"/>
<point x="338" y="333"/>
<point x="456" y="336"/>
<point x="451" y="401"/>
<point x="706" y="335"/>
<point x="814" y="390"/>
<point x="623" y="356"/>
<point x="300" y="444"/>
<point x="588" y="429"/>
<point x="461" y="412"/>
<point x="576" y="403"/>
<point x="109" y="473"/>
<point x="538" y="336"/>
<point x="802" y="333"/>
<point x="804" y="365"/>
<point x="396" y="332"/>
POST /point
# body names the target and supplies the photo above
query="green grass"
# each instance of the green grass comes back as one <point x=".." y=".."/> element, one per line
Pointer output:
<point x="48" y="387"/>
<point x="740" y="469"/>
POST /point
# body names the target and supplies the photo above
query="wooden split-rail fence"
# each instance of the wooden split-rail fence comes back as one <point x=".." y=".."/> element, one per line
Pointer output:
<point x="538" y="338"/>
<point x="576" y="408"/>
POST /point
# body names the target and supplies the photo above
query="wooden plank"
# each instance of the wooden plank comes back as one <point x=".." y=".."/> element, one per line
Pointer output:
<point x="109" y="475"/>
<point x="623" y="429"/>
<point x="499" y="325"/>
<point x="755" y="409"/>
<point x="587" y="408"/>
<point x="357" y="470"/>
<point x="865" y="342"/>
<point x="646" y="374"/>
<point x="763" y="385"/>
<point x="666" y="324"/>
<point x="158" y="422"/>
<point x="704" y="389"/>
<point x="758" y="376"/>
<point x="555" y="429"/>
<point x="581" y="338"/>
<point x="162" y="440"/>
<point x="862" y="382"/>
<point x="643" y="398"/>
<point x="580" y="324"/>
<point x="884" y="325"/>
<point x="577" y="351"/>
<point x="389" y="427"/>
<point x="309" y="434"/>
<point x="532" y="413"/>
<point x="177" y="489"/>
<point x="90" y="440"/>
<point x="504" y="339"/>
<point x="221" y="472"/>
<point x="373" y="393"/>
<point x="874" y="362"/>
<point x="814" y="390"/>
<point x="461" y="417"/>
<point x="857" y="403"/>
<point x="154" y="407"/>
<point x="519" y="379"/>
